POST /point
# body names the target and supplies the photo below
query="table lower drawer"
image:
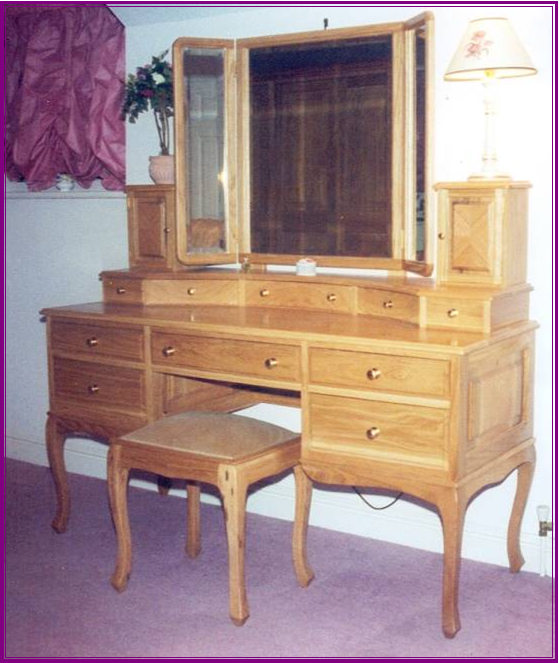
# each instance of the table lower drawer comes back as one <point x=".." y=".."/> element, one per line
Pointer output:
<point x="97" y="385"/>
<point x="378" y="430"/>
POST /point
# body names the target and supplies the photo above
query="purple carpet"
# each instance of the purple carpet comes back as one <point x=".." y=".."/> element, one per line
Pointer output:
<point x="369" y="599"/>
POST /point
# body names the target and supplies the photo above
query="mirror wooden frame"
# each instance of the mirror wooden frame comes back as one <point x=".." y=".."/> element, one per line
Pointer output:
<point x="237" y="147"/>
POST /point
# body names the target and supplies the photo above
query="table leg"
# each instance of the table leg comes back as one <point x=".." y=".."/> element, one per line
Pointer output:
<point x="117" y="480"/>
<point x="303" y="489"/>
<point x="234" y="491"/>
<point x="55" y="436"/>
<point x="452" y="508"/>
<point x="525" y="473"/>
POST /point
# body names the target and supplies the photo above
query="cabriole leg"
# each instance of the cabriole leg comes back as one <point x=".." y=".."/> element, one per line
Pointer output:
<point x="524" y="477"/>
<point x="117" y="479"/>
<point x="303" y="489"/>
<point x="55" y="439"/>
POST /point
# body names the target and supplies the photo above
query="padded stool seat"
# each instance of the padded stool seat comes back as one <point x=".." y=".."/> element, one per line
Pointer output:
<point x="228" y="451"/>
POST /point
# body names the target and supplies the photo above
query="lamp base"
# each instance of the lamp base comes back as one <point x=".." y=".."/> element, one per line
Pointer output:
<point x="488" y="177"/>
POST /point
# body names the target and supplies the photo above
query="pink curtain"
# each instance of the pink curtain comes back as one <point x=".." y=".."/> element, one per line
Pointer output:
<point x="64" y="92"/>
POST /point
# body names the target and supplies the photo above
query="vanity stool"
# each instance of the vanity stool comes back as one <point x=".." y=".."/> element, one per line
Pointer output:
<point x="226" y="450"/>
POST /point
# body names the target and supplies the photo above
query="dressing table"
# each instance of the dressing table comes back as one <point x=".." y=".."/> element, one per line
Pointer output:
<point x="406" y="382"/>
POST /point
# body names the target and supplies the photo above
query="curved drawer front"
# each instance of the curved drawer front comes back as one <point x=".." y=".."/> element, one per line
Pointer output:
<point x="97" y="385"/>
<point x="379" y="372"/>
<point x="236" y="357"/>
<point x="97" y="340"/>
<point x="295" y="295"/>
<point x="382" y="431"/>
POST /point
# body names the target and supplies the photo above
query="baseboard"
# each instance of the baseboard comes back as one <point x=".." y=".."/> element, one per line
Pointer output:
<point x="339" y="511"/>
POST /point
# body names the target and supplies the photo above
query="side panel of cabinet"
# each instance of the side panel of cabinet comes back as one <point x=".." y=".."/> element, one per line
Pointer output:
<point x="151" y="226"/>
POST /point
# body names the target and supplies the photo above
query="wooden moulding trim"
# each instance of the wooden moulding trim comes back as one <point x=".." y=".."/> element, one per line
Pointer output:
<point x="378" y="29"/>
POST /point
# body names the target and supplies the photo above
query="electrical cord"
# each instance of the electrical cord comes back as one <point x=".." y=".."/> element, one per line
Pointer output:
<point x="378" y="508"/>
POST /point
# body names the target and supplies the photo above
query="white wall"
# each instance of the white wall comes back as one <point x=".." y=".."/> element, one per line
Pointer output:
<point x="72" y="241"/>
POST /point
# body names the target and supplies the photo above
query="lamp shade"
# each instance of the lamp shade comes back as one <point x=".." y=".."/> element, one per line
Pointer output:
<point x="489" y="47"/>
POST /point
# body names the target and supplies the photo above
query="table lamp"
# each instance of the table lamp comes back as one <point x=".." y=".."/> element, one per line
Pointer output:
<point x="489" y="50"/>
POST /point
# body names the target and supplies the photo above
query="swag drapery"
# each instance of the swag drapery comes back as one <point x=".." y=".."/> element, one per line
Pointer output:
<point x="64" y="92"/>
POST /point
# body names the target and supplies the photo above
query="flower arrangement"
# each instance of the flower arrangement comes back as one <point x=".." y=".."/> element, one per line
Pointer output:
<point x="151" y="88"/>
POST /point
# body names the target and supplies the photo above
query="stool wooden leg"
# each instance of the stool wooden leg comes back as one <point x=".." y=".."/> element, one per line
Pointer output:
<point x="303" y="488"/>
<point x="117" y="478"/>
<point x="233" y="490"/>
<point x="193" y="545"/>
<point x="524" y="477"/>
<point x="452" y="508"/>
<point x="55" y="439"/>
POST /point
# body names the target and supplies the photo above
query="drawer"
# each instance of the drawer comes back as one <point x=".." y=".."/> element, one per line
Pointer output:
<point x="98" y="385"/>
<point x="379" y="372"/>
<point x="266" y="360"/>
<point x="296" y="294"/>
<point x="383" y="431"/>
<point x="122" y="291"/>
<point x="178" y="291"/>
<point x="462" y="314"/>
<point x="389" y="304"/>
<point x="97" y="340"/>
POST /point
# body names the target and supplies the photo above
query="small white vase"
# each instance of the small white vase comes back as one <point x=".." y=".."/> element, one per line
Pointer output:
<point x="162" y="169"/>
<point x="65" y="185"/>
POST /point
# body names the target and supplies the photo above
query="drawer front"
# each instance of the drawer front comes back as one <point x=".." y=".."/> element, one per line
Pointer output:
<point x="379" y="372"/>
<point x="97" y="385"/>
<point x="97" y="340"/>
<point x="266" y="360"/>
<point x="296" y="294"/>
<point x="462" y="314"/>
<point x="383" y="431"/>
<point x="122" y="291"/>
<point x="389" y="304"/>
<point x="177" y="291"/>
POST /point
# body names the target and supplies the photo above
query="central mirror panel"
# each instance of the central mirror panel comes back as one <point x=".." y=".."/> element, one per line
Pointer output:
<point x="306" y="145"/>
<point x="320" y="138"/>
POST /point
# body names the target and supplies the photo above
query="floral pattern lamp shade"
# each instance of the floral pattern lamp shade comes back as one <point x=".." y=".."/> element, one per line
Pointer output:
<point x="490" y="49"/>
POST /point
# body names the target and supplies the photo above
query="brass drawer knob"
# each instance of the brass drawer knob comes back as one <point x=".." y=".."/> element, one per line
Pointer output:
<point x="191" y="291"/>
<point x="169" y="351"/>
<point x="92" y="389"/>
<point x="121" y="291"/>
<point x="92" y="342"/>
<point x="271" y="363"/>
<point x="374" y="373"/>
<point x="453" y="313"/>
<point x="373" y="433"/>
<point x="264" y="292"/>
<point x="332" y="297"/>
<point x="388" y="304"/>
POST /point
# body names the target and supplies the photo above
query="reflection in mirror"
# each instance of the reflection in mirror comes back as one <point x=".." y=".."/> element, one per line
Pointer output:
<point x="321" y="148"/>
<point x="204" y="86"/>
<point x="420" y="139"/>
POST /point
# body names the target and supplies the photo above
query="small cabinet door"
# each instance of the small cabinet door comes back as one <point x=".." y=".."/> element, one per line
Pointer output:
<point x="151" y="226"/>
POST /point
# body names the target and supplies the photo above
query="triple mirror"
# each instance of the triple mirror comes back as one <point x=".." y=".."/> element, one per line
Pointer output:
<point x="306" y="145"/>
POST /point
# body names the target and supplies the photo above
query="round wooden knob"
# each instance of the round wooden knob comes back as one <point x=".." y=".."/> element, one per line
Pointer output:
<point x="92" y="342"/>
<point x="373" y="433"/>
<point x="264" y="292"/>
<point x="169" y="351"/>
<point x="453" y="313"/>
<point x="374" y="374"/>
<point x="388" y="304"/>
<point x="441" y="236"/>
<point x="191" y="291"/>
<point x="92" y="389"/>
<point x="331" y="297"/>
<point x="121" y="291"/>
<point x="271" y="362"/>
